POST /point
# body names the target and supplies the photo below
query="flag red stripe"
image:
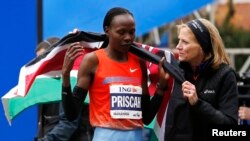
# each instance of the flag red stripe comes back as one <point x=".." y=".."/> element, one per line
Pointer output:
<point x="162" y="110"/>
<point x="55" y="63"/>
<point x="79" y="59"/>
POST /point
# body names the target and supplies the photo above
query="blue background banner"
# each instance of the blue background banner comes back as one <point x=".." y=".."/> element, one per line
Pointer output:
<point x="18" y="40"/>
<point x="62" y="16"/>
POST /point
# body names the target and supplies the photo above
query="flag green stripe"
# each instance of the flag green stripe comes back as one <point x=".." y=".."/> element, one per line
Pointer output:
<point x="153" y="137"/>
<point x="43" y="90"/>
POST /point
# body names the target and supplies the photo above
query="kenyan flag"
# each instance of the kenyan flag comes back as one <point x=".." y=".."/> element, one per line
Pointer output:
<point x="40" y="79"/>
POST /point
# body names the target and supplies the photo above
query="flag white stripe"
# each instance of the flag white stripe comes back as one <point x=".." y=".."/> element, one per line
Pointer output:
<point x="5" y="100"/>
<point x="91" y="44"/>
<point x="56" y="74"/>
<point x="33" y="68"/>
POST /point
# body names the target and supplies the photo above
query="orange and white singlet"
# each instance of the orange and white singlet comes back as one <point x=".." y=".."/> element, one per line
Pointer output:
<point x="115" y="94"/>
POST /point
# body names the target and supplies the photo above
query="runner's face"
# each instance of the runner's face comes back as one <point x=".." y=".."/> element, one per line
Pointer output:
<point x="121" y="32"/>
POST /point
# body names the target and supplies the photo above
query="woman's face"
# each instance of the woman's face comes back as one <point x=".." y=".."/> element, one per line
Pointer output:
<point x="189" y="50"/>
<point x="121" y="32"/>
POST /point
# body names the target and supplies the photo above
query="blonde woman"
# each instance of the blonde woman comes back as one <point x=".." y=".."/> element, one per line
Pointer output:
<point x="208" y="97"/>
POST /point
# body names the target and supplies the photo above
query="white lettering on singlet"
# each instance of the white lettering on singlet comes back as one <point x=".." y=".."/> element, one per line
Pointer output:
<point x="125" y="101"/>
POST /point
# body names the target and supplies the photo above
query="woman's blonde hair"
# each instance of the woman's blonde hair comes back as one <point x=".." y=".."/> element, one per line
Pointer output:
<point x="218" y="49"/>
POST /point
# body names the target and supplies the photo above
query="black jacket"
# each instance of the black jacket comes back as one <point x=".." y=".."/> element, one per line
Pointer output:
<point x="217" y="104"/>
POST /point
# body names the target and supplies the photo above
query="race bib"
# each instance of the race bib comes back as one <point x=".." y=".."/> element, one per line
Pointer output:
<point x="125" y="102"/>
